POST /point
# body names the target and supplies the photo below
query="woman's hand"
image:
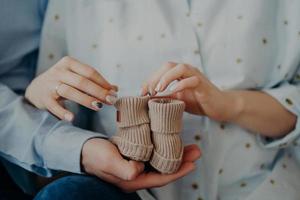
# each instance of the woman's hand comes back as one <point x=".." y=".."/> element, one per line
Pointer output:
<point x="254" y="110"/>
<point x="72" y="80"/>
<point x="200" y="95"/>
<point x="102" y="159"/>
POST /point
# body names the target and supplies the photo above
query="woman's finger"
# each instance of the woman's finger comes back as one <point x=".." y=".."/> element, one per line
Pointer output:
<point x="86" y="71"/>
<point x="85" y="85"/>
<point x="149" y="86"/>
<point x="186" y="83"/>
<point x="179" y="72"/>
<point x="75" y="95"/>
<point x="58" y="110"/>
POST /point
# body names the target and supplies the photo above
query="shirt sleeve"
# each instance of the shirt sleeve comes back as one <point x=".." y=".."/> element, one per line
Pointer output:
<point x="36" y="140"/>
<point x="288" y="94"/>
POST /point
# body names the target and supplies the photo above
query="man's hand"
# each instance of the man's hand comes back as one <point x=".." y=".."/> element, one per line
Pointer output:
<point x="102" y="159"/>
<point x="156" y="179"/>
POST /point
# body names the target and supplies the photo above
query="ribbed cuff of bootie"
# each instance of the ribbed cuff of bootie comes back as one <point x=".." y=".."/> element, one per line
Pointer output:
<point x="167" y="154"/>
<point x="166" y="124"/>
<point x="166" y="165"/>
<point x="132" y="111"/>
<point x="134" y="142"/>
<point x="166" y="115"/>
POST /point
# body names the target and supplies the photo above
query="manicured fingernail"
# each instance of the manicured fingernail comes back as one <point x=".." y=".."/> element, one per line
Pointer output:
<point x="115" y="88"/>
<point x="113" y="93"/>
<point x="111" y="99"/>
<point x="68" y="117"/>
<point x="158" y="87"/>
<point x="97" y="105"/>
<point x="173" y="86"/>
<point x="150" y="91"/>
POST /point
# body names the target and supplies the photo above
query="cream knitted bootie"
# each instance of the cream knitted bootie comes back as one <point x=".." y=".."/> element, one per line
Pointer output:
<point x="166" y="123"/>
<point x="133" y="136"/>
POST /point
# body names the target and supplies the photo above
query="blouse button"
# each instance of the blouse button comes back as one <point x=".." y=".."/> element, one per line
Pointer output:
<point x="264" y="41"/>
<point x="118" y="66"/>
<point x="222" y="126"/>
<point x="220" y="171"/>
<point x="197" y="52"/>
<point x="279" y="66"/>
<point x="140" y="38"/>
<point x="197" y="137"/>
<point x="238" y="60"/>
<point x="56" y="17"/>
<point x="243" y="184"/>
<point x="94" y="46"/>
<point x="195" y="186"/>
<point x="288" y="101"/>
<point x="284" y="166"/>
<point x="247" y="145"/>
<point x="51" y="56"/>
<point x="295" y="143"/>
<point x="111" y="20"/>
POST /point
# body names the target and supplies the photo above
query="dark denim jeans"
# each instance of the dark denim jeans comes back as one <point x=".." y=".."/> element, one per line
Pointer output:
<point x="82" y="187"/>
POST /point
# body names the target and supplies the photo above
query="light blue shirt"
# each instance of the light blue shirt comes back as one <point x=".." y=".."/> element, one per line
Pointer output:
<point x="247" y="45"/>
<point x="29" y="137"/>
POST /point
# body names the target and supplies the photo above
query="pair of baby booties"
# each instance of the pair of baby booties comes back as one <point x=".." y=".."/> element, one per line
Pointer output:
<point x="149" y="130"/>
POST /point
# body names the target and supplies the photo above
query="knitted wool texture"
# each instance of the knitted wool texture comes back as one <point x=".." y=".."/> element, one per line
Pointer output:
<point x="133" y="136"/>
<point x="166" y="124"/>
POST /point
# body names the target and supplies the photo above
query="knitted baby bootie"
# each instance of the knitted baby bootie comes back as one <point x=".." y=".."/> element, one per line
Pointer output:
<point x="133" y="136"/>
<point x="166" y="122"/>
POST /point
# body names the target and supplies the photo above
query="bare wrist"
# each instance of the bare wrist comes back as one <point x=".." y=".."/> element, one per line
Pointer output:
<point x="236" y="104"/>
<point x="87" y="149"/>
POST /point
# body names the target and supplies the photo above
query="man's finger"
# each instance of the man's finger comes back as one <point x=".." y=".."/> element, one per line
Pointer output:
<point x="126" y="170"/>
<point x="109" y="178"/>
<point x="191" y="153"/>
<point x="154" y="179"/>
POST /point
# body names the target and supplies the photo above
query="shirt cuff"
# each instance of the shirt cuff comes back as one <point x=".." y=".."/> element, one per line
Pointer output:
<point x="288" y="95"/>
<point x="62" y="147"/>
